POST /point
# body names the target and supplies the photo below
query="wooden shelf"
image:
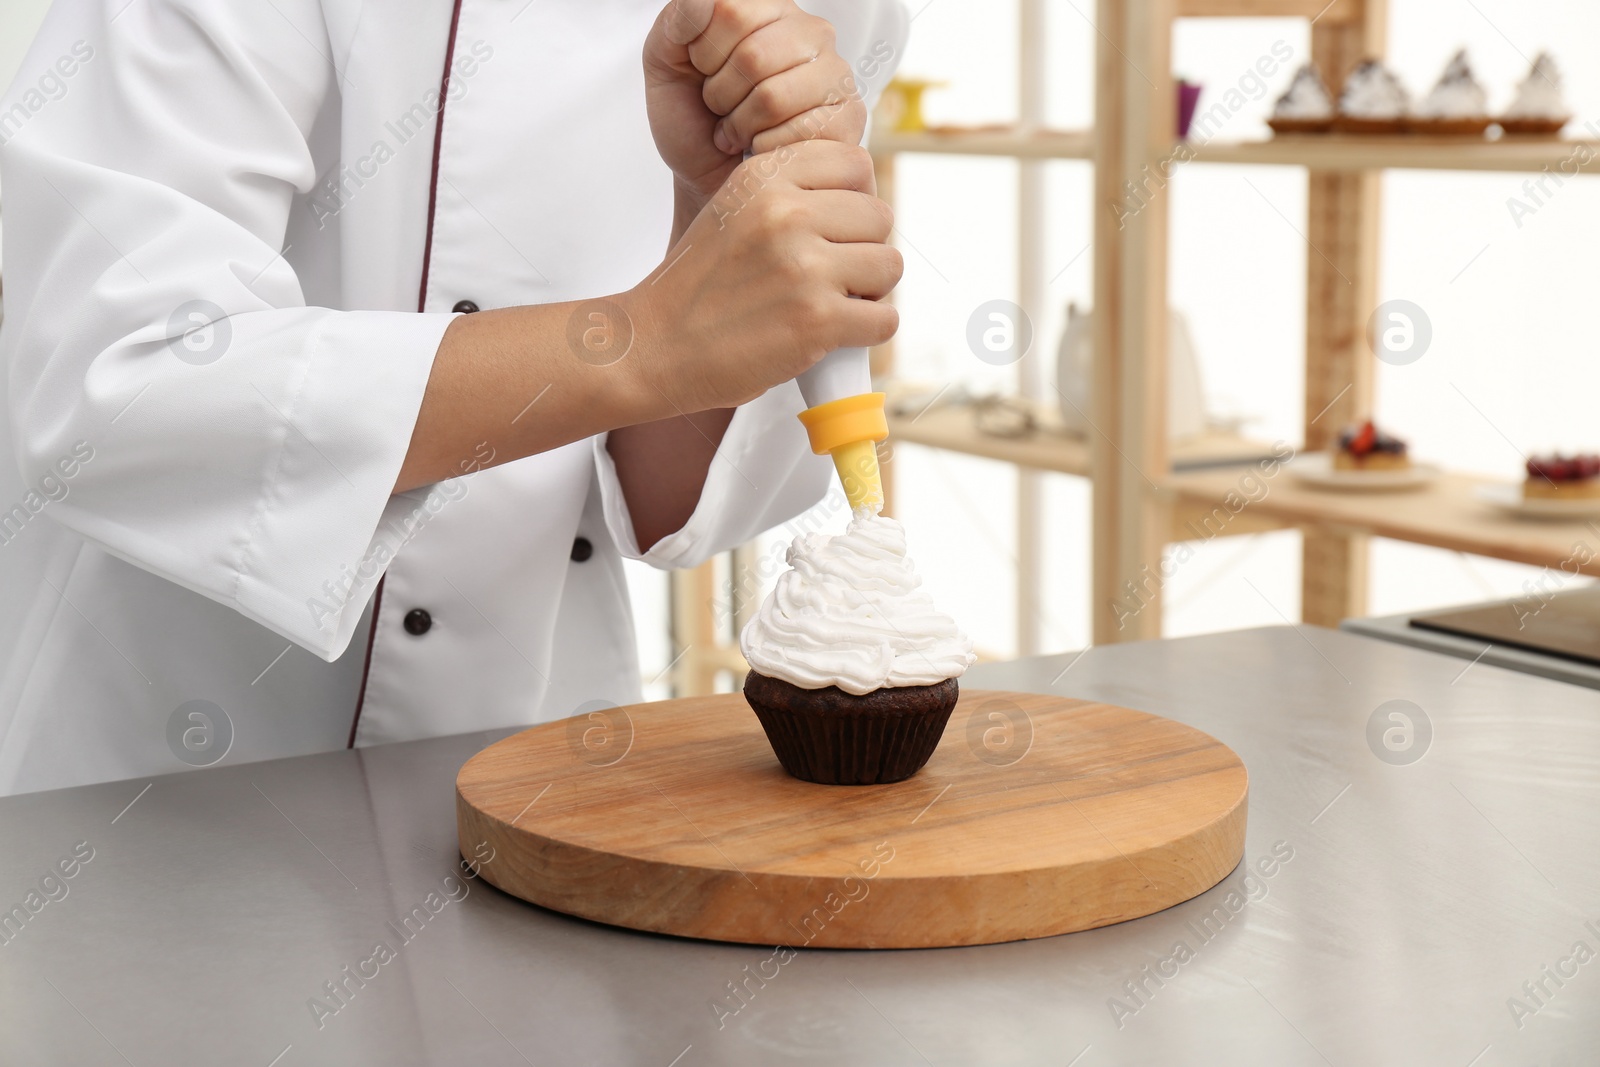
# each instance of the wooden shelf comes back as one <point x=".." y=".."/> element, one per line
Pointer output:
<point x="953" y="429"/>
<point x="1050" y="447"/>
<point x="1339" y="152"/>
<point x="1445" y="515"/>
<point x="1008" y="143"/>
<point x="1326" y="152"/>
<point x="1320" y="10"/>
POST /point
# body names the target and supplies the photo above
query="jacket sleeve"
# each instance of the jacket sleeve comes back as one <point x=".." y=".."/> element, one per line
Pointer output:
<point x="764" y="472"/>
<point x="239" y="443"/>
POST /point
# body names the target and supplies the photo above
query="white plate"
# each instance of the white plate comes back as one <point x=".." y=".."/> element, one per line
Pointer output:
<point x="1509" y="498"/>
<point x="1316" y="469"/>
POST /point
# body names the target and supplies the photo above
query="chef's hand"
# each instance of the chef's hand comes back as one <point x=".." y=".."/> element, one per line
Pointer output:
<point x="726" y="76"/>
<point x="759" y="287"/>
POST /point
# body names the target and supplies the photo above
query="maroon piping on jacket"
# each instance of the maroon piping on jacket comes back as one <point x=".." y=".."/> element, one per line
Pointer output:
<point x="422" y="306"/>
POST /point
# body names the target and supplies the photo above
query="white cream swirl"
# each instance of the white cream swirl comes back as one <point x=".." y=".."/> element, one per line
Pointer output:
<point x="1540" y="95"/>
<point x="851" y="612"/>
<point x="1373" y="92"/>
<point x="1307" y="97"/>
<point x="1458" y="94"/>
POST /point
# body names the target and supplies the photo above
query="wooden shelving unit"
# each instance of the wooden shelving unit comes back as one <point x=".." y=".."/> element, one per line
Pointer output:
<point x="1135" y="519"/>
<point x="1324" y="152"/>
<point x="1050" y="447"/>
<point x="1447" y="514"/>
<point x="1336" y="153"/>
<point x="1006" y="144"/>
<point x="1143" y="499"/>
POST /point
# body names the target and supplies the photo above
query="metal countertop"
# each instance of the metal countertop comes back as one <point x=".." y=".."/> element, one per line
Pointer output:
<point x="1408" y="905"/>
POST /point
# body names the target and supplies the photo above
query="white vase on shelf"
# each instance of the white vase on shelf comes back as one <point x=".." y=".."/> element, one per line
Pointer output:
<point x="1186" y="409"/>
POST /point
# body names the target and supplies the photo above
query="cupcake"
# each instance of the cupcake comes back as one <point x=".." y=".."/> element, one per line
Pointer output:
<point x="1373" y="101"/>
<point x="1307" y="107"/>
<point x="1540" y="108"/>
<point x="1457" y="107"/>
<point x="853" y="670"/>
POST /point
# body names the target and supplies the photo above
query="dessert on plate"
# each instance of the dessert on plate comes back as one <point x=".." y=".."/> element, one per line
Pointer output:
<point x="1366" y="448"/>
<point x="1559" y="477"/>
<point x="1540" y="108"/>
<point x="1307" y="106"/>
<point x="852" y="669"/>
<point x="1373" y="101"/>
<point x="1457" y="106"/>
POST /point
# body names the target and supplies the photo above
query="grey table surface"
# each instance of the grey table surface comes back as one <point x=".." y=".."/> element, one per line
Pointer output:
<point x="1398" y="628"/>
<point x="1434" y="910"/>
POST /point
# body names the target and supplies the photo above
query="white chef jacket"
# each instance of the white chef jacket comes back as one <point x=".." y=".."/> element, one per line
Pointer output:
<point x="204" y="515"/>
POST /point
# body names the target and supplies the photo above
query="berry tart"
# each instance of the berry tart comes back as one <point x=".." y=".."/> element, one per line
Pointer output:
<point x="1366" y="448"/>
<point x="1561" y="477"/>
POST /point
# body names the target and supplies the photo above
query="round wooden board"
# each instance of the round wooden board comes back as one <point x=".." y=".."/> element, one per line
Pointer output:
<point x="1036" y="816"/>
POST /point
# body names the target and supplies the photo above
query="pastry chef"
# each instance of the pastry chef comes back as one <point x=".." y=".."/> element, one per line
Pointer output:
<point x="350" y="348"/>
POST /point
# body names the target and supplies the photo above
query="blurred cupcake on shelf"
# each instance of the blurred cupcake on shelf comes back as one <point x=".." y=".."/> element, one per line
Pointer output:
<point x="1458" y="106"/>
<point x="1373" y="101"/>
<point x="1307" y="106"/>
<point x="1540" y="108"/>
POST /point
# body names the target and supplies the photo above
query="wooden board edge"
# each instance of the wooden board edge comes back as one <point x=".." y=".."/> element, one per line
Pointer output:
<point x="801" y="907"/>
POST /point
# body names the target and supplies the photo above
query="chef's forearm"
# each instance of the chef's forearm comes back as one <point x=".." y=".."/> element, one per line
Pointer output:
<point x="509" y="380"/>
<point x="662" y="467"/>
<point x="686" y="207"/>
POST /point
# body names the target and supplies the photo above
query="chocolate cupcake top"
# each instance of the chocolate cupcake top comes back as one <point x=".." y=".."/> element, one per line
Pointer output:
<point x="851" y="612"/>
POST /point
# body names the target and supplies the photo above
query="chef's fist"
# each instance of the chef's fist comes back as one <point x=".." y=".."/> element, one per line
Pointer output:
<point x="723" y="77"/>
<point x="760" y="287"/>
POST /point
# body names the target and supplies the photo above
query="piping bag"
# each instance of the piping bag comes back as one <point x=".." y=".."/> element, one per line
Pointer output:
<point x="845" y="419"/>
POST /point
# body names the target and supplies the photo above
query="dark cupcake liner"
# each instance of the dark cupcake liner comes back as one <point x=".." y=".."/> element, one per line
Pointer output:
<point x="832" y="737"/>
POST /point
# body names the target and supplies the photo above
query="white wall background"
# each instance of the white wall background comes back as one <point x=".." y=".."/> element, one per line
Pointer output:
<point x="1511" y="306"/>
<point x="19" y="21"/>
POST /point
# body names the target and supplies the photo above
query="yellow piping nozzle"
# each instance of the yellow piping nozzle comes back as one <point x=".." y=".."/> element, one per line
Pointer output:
<point x="849" y="430"/>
